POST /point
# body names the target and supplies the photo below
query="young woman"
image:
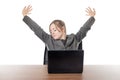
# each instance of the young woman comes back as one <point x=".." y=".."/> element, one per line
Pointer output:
<point x="58" y="39"/>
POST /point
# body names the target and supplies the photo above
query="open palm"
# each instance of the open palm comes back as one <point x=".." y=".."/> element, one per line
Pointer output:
<point x="26" y="10"/>
<point x="90" y="12"/>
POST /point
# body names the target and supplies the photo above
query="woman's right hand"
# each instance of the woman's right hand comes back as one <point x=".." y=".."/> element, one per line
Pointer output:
<point x="26" y="10"/>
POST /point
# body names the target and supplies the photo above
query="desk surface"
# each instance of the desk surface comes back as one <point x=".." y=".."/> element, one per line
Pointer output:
<point x="39" y="72"/>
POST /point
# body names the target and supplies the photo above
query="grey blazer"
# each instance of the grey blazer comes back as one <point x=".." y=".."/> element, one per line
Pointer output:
<point x="72" y="41"/>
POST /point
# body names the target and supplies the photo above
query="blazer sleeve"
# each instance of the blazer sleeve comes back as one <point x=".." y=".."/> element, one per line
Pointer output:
<point x="36" y="29"/>
<point x="84" y="29"/>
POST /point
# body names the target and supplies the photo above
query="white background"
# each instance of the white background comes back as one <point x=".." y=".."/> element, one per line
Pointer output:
<point x="19" y="45"/>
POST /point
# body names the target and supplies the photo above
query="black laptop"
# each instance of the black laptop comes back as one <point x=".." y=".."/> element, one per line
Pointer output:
<point x="65" y="61"/>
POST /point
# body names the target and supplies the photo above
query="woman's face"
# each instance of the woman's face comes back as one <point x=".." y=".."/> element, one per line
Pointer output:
<point x="55" y="32"/>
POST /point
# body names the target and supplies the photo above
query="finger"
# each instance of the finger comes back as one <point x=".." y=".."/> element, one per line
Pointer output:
<point x="29" y="6"/>
<point x="28" y="13"/>
<point x="30" y="10"/>
<point x="89" y="9"/>
<point x="24" y="11"/>
<point x="87" y="14"/>
<point x="24" y="8"/>
<point x="86" y="11"/>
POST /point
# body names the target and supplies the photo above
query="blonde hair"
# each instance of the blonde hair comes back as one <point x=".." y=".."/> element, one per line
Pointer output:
<point x="59" y="24"/>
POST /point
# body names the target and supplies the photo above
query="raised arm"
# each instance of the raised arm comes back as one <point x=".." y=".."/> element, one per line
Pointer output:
<point x="33" y="25"/>
<point x="87" y="26"/>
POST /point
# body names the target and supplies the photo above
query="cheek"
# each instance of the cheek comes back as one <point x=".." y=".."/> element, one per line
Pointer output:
<point x="59" y="34"/>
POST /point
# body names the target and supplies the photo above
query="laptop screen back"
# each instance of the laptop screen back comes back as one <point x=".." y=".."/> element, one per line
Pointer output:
<point x="65" y="61"/>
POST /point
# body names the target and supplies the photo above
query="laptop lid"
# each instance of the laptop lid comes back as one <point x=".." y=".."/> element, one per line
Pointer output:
<point x="65" y="61"/>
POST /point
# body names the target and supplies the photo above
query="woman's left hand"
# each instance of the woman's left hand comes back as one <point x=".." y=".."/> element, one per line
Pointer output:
<point x="90" y="12"/>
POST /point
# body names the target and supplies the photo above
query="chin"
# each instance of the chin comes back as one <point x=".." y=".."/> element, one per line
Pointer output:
<point x="55" y="38"/>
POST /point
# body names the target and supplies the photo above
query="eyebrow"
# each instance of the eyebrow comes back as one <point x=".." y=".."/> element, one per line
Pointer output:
<point x="51" y="30"/>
